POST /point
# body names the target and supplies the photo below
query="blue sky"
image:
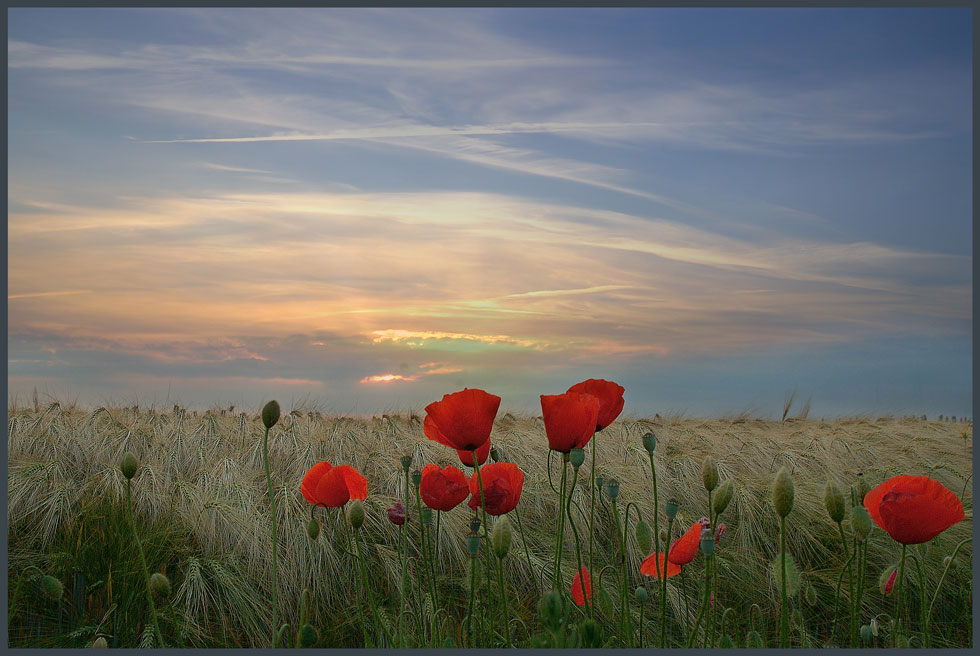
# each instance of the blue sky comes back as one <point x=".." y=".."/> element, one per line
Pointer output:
<point x="370" y="208"/>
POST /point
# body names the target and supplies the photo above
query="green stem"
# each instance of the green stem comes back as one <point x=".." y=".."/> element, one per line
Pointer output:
<point x="527" y="552"/>
<point x="578" y="548"/>
<point x="704" y="604"/>
<point x="783" y="609"/>
<point x="941" y="579"/>
<point x="20" y="583"/>
<point x="663" y="587"/>
<point x="275" y="537"/>
<point x="146" y="572"/>
<point x="472" y="598"/>
<point x="687" y="611"/>
<point x="503" y="599"/>
<point x="922" y="603"/>
<point x="900" y="608"/>
<point x="357" y="590"/>
<point x="556" y="569"/>
<point x="595" y="437"/>
<point x="656" y="550"/>
<point x="840" y="579"/>
<point x="486" y="528"/>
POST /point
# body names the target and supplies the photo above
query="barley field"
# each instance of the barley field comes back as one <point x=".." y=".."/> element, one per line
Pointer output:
<point x="202" y="511"/>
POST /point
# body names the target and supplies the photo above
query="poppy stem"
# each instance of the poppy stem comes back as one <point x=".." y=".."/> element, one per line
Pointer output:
<point x="367" y="589"/>
<point x="624" y="632"/>
<point x="146" y="572"/>
<point x="941" y="579"/>
<point x="663" y="587"/>
<point x="656" y="549"/>
<point x="687" y="610"/>
<point x="357" y="589"/>
<point x="922" y="603"/>
<point x="900" y="608"/>
<point x="556" y="569"/>
<point x="486" y="529"/>
<point x="783" y="608"/>
<point x="426" y="561"/>
<point x="472" y="635"/>
<point x="503" y="599"/>
<point x="595" y="438"/>
<point x="527" y="552"/>
<point x="844" y="569"/>
<point x="704" y="604"/>
<point x="438" y="533"/>
<point x="578" y="549"/>
<point x="275" y="535"/>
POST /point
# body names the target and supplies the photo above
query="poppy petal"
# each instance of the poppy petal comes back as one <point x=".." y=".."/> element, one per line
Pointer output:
<point x="650" y="565"/>
<point x="610" y="397"/>
<point x="569" y="419"/>
<point x="581" y="579"/>
<point x="917" y="509"/>
<point x="311" y="478"/>
<point x="464" y="418"/>
<point x="466" y="457"/>
<point x="332" y="489"/>
<point x="685" y="548"/>
<point x="356" y="483"/>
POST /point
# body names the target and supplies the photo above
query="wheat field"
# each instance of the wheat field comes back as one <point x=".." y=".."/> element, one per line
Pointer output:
<point x="202" y="510"/>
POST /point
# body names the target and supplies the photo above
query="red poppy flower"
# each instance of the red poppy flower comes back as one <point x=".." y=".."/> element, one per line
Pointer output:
<point x="502" y="484"/>
<point x="582" y="576"/>
<point x="653" y="561"/>
<point x="569" y="419"/>
<point x="333" y="486"/>
<point x="610" y="397"/>
<point x="443" y="489"/>
<point x="685" y="548"/>
<point x="397" y="514"/>
<point x="889" y="585"/>
<point x="462" y="420"/>
<point x="913" y="509"/>
<point x="466" y="457"/>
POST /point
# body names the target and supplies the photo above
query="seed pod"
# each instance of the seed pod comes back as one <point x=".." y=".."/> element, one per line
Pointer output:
<point x="501" y="536"/>
<point x="860" y="523"/>
<point x="270" y="414"/>
<point x="833" y="498"/>
<point x="866" y="632"/>
<point x="599" y="482"/>
<point x="723" y="496"/>
<point x="473" y="544"/>
<point x="128" y="465"/>
<point x="406" y="462"/>
<point x="551" y="610"/>
<point x="782" y="492"/>
<point x="641" y="594"/>
<point x="709" y="473"/>
<point x="671" y="510"/>
<point x="355" y="513"/>
<point x="649" y="442"/>
<point x="100" y="643"/>
<point x="307" y="636"/>
<point x="707" y="542"/>
<point x="576" y="456"/>
<point x="612" y="488"/>
<point x="313" y="529"/>
<point x="416" y="478"/>
<point x="644" y="537"/>
<point x="475" y="525"/>
<point x="160" y="585"/>
<point x="886" y="582"/>
<point x="51" y="587"/>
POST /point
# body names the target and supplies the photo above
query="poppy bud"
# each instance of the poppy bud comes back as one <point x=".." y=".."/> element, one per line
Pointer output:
<point x="307" y="636"/>
<point x="426" y="515"/>
<point x="793" y="579"/>
<point x="612" y="488"/>
<point x="475" y="525"/>
<point x="51" y="587"/>
<point x="782" y="492"/>
<point x="494" y="454"/>
<point x="642" y="596"/>
<point x="576" y="456"/>
<point x="723" y="496"/>
<point x="644" y="537"/>
<point x="416" y="478"/>
<point x="406" y="462"/>
<point x="270" y="414"/>
<point x="754" y="641"/>
<point x="500" y="536"/>
<point x="886" y="582"/>
<point x="649" y="442"/>
<point x="863" y="488"/>
<point x="397" y="514"/>
<point x="355" y="513"/>
<point x="100" y="643"/>
<point x="551" y="610"/>
<point x="866" y="632"/>
<point x="313" y="529"/>
<point x="707" y="542"/>
<point x="874" y="627"/>
<point x="589" y="634"/>
<point x="160" y="585"/>
<point x="860" y="523"/>
<point x="709" y="473"/>
<point x="810" y="594"/>
<point x="473" y="544"/>
<point x="671" y="510"/>
<point x="833" y="498"/>
<point x="129" y="464"/>
<point x="726" y="642"/>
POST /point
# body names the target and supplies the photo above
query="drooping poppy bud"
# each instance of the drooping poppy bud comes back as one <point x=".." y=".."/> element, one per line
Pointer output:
<point x="793" y="580"/>
<point x="641" y="594"/>
<point x="313" y="529"/>
<point x="866" y="632"/>
<point x="307" y="636"/>
<point x="270" y="414"/>
<point x="874" y="627"/>
<point x="160" y="585"/>
<point x="397" y="513"/>
<point x="947" y="560"/>
<point x="754" y="641"/>
<point x="605" y="602"/>
<point x="52" y="587"/>
<point x="473" y="544"/>
<point x="782" y="492"/>
<point x="833" y="498"/>
<point x="810" y="594"/>
<point x="576" y="456"/>
<point x="709" y="473"/>
<point x="612" y="488"/>
<point x="100" y="643"/>
<point x="886" y="582"/>
<point x="861" y="523"/>
<point x="500" y="536"/>
<point x="671" y="510"/>
<point x="649" y="442"/>
<point x="902" y="641"/>
<point x="128" y="465"/>
<point x="644" y="537"/>
<point x="726" y="642"/>
<point x="723" y="496"/>
<point x="551" y="610"/>
<point x="355" y="514"/>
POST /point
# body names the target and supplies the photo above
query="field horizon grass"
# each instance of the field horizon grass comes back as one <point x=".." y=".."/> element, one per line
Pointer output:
<point x="202" y="512"/>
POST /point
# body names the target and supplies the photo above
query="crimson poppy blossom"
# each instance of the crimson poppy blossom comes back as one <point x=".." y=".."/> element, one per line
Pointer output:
<point x="466" y="457"/>
<point x="651" y="563"/>
<point x="333" y="486"/>
<point x="397" y="514"/>
<point x="461" y="420"/>
<point x="913" y="509"/>
<point x="569" y="419"/>
<point x="685" y="548"/>
<point x="610" y="397"/>
<point x="443" y="489"/>
<point x="582" y="576"/>
<point x="502" y="485"/>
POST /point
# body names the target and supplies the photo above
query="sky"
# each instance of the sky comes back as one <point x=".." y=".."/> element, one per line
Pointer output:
<point x="363" y="210"/>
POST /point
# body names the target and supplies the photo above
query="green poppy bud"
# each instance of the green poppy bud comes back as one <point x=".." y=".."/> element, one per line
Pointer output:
<point x="160" y="585"/>
<point x="416" y="478"/>
<point x="129" y="464"/>
<point x="551" y="610"/>
<point x="501" y="536"/>
<point x="709" y="473"/>
<point x="313" y="529"/>
<point x="649" y="442"/>
<point x="863" y="488"/>
<point x="52" y="588"/>
<point x="612" y="488"/>
<point x="426" y="515"/>
<point x="589" y="634"/>
<point x="810" y="594"/>
<point x="270" y="414"/>
<point x="860" y="523"/>
<point x="671" y="509"/>
<point x="793" y="581"/>
<point x="886" y="582"/>
<point x="726" y="642"/>
<point x="782" y="492"/>
<point x="833" y="498"/>
<point x="642" y="596"/>
<point x="723" y="496"/>
<point x="874" y="627"/>
<point x="866" y="632"/>
<point x="307" y="636"/>
<point x="644" y="537"/>
<point x="473" y="544"/>
<point x="754" y="641"/>
<point x="475" y="525"/>
<point x="100" y="643"/>
<point x="406" y="462"/>
<point x="355" y="513"/>
<point x="576" y="456"/>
